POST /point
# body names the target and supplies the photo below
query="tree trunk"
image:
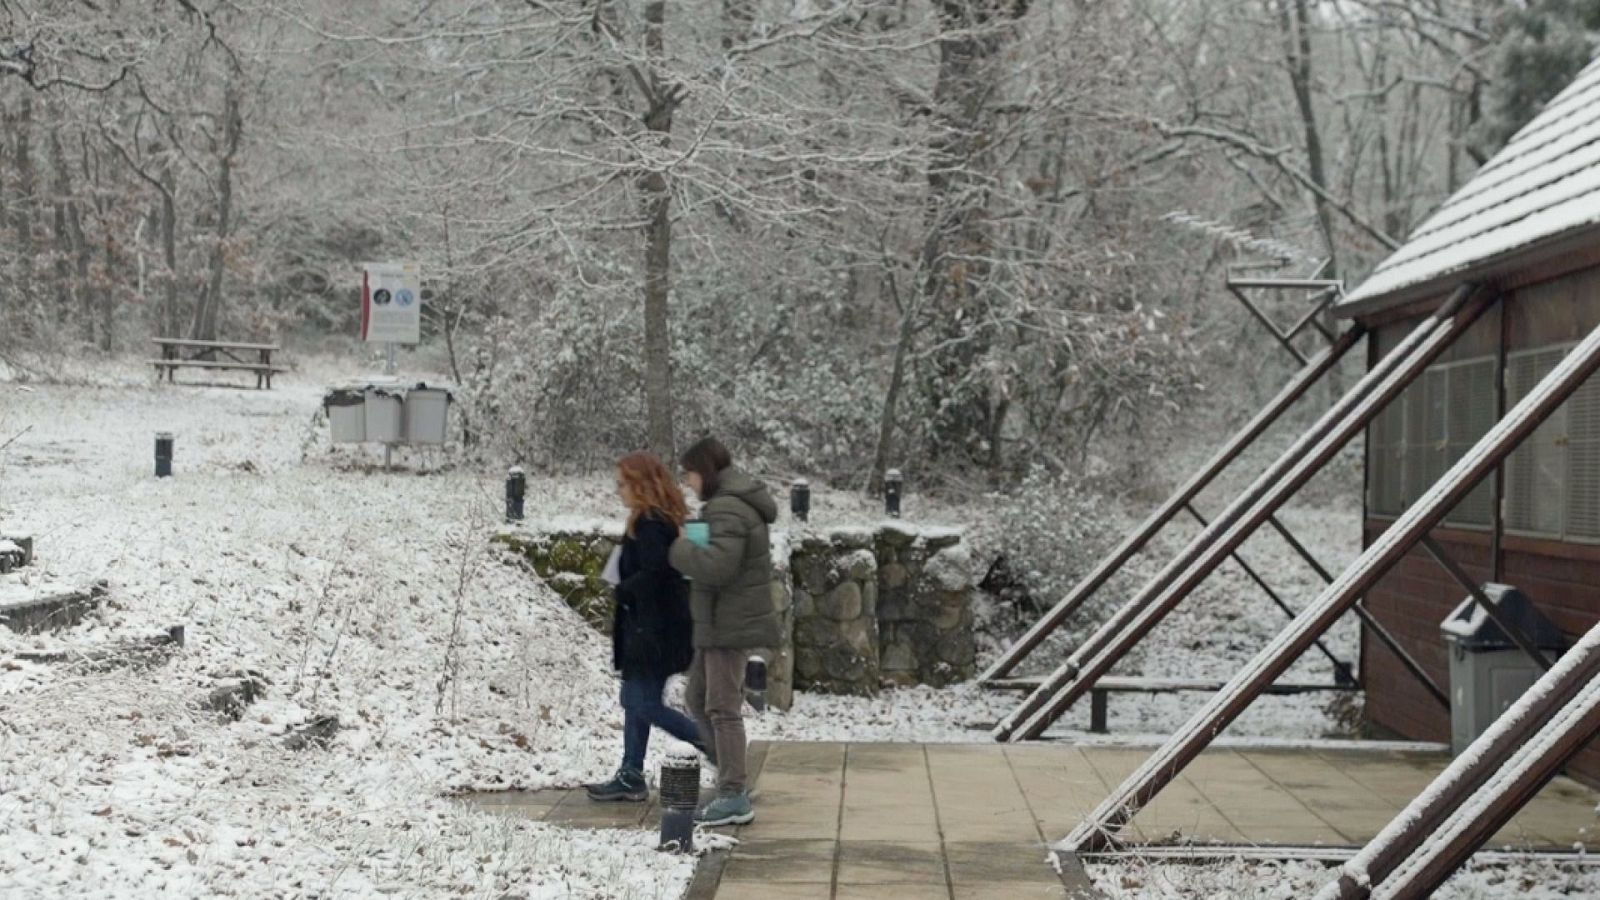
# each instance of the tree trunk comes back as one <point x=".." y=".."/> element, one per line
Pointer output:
<point x="22" y="209"/>
<point x="108" y="295"/>
<point x="64" y="244"/>
<point x="662" y="100"/>
<point x="204" y="325"/>
<point x="169" y="252"/>
<point x="955" y="260"/>
<point x="1294" y="20"/>
<point x="738" y="18"/>
<point x="891" y="399"/>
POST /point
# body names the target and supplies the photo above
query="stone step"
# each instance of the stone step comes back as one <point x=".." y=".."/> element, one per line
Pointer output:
<point x="53" y="612"/>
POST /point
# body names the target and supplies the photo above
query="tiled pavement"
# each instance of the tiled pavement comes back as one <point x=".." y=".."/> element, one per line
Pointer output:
<point x="964" y="822"/>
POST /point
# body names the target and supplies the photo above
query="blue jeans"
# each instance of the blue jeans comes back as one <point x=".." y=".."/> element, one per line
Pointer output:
<point x="642" y="708"/>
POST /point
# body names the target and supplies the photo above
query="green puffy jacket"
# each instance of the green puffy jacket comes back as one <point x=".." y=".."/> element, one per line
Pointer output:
<point x="730" y="594"/>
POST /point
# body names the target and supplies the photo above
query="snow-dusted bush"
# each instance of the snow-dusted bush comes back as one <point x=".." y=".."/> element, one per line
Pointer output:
<point x="1049" y="531"/>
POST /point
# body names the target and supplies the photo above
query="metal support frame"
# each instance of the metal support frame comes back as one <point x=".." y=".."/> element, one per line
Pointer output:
<point x="1311" y="372"/>
<point x="1377" y="628"/>
<point x="1342" y="671"/>
<point x="1286" y="338"/>
<point x="1523" y="642"/>
<point x="1508" y="791"/>
<point x="1425" y="815"/>
<point x="1101" y="826"/>
<point x="1297" y="387"/>
<point x="1310" y="452"/>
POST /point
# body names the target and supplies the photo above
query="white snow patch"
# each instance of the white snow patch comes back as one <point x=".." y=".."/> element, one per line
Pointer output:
<point x="374" y="597"/>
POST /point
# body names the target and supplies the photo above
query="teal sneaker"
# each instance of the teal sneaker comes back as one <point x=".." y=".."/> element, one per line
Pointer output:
<point x="727" y="809"/>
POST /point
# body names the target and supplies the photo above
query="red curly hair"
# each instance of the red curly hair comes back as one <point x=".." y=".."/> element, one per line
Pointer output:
<point x="653" y="489"/>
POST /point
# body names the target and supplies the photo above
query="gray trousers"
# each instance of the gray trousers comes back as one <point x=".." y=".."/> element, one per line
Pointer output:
<point x="715" y="697"/>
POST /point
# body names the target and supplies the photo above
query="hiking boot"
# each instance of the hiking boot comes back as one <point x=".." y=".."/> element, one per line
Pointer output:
<point x="727" y="809"/>
<point x="626" y="785"/>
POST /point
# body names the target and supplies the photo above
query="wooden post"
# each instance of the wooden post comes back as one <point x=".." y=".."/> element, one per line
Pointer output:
<point x="1098" y="713"/>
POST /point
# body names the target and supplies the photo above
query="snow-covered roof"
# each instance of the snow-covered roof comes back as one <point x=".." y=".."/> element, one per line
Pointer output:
<point x="1542" y="187"/>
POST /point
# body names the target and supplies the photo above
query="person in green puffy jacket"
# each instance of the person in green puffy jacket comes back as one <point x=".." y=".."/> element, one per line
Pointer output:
<point x="730" y="600"/>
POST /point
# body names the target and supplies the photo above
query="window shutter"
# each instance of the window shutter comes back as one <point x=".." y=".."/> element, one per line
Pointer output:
<point x="1536" y="471"/>
<point x="1427" y="454"/>
<point x="1471" y="413"/>
<point x="1386" y="452"/>
<point x="1583" y="463"/>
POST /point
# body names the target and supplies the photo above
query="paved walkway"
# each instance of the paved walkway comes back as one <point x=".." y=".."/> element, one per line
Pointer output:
<point x="969" y="822"/>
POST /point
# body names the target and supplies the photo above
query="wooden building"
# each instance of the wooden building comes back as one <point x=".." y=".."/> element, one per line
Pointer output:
<point x="1528" y="227"/>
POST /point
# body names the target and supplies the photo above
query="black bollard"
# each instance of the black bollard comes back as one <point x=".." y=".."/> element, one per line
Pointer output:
<point x="755" y="683"/>
<point x="516" y="490"/>
<point x="163" y="454"/>
<point x="892" y="484"/>
<point x="800" y="500"/>
<point x="680" y="794"/>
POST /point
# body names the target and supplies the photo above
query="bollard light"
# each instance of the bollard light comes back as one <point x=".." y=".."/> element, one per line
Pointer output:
<point x="163" y="454"/>
<point x="892" y="484"/>
<point x="680" y="794"/>
<point x="755" y="683"/>
<point x="516" y="490"/>
<point x="800" y="499"/>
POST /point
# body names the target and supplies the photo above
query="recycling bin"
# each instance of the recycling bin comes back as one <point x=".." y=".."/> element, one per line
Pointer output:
<point x="1488" y="672"/>
<point x="347" y="414"/>
<point x="385" y="414"/>
<point x="427" y="413"/>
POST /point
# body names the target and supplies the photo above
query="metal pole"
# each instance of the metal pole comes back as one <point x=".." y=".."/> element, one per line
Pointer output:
<point x="1510" y="789"/>
<point x="1313" y="316"/>
<point x="1186" y="744"/>
<point x="1423" y="817"/>
<point x="1342" y="670"/>
<point x="1268" y="324"/>
<point x="1134" y="542"/>
<point x="1377" y="628"/>
<point x="1295" y="466"/>
<point x="1305" y="284"/>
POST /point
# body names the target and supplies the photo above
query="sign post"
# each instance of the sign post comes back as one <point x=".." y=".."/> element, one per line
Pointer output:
<point x="391" y="312"/>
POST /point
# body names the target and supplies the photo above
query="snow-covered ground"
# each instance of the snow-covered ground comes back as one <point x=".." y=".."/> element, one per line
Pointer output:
<point x="1290" y="880"/>
<point x="375" y="597"/>
<point x="369" y="596"/>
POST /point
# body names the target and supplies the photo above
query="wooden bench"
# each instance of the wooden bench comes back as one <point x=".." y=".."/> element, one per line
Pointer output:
<point x="1120" y="684"/>
<point x="181" y="353"/>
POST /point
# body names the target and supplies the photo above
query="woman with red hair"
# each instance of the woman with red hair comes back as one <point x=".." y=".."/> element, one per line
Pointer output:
<point x="651" y="632"/>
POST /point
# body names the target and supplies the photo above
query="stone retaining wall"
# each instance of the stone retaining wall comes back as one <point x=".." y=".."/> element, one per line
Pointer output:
<point x="858" y="607"/>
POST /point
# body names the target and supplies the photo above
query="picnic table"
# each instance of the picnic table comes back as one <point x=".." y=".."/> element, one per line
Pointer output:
<point x="179" y="353"/>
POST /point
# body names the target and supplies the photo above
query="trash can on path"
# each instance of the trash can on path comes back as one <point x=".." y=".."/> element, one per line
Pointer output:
<point x="347" y="414"/>
<point x="427" y="414"/>
<point x="385" y="414"/>
<point x="1488" y="672"/>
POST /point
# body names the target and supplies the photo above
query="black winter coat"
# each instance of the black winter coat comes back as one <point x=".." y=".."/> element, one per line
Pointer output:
<point x="652" y="635"/>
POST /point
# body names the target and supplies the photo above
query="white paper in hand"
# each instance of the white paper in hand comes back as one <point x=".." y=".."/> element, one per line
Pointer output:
<point x="613" y="572"/>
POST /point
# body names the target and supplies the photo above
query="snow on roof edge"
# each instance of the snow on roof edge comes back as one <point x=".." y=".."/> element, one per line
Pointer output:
<point x="1418" y="267"/>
